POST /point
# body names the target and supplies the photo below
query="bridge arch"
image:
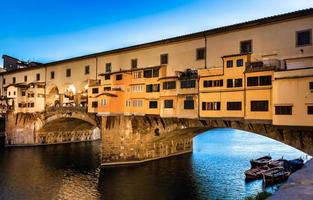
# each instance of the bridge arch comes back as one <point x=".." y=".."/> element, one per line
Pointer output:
<point x="67" y="125"/>
<point x="135" y="136"/>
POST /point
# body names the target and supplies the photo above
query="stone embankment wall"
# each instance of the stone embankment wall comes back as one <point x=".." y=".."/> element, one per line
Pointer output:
<point x="135" y="139"/>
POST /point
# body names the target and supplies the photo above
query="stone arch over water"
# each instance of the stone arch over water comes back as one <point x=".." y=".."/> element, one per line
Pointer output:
<point x="133" y="138"/>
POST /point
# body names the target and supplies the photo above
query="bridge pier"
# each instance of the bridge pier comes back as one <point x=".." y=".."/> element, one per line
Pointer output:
<point x="136" y="139"/>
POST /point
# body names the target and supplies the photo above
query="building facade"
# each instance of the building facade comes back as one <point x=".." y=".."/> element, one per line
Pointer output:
<point x="257" y="70"/>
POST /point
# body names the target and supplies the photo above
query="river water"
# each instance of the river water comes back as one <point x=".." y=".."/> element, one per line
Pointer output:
<point x="71" y="171"/>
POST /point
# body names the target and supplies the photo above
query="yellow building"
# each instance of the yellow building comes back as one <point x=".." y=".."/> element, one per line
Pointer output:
<point x="243" y="71"/>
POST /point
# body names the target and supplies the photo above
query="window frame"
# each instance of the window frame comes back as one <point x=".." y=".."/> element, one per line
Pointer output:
<point x="119" y="77"/>
<point x="241" y="61"/>
<point x="245" y="41"/>
<point x="38" y="77"/>
<point x="171" y="101"/>
<point x="164" y="59"/>
<point x="134" y="63"/>
<point x="230" y="108"/>
<point x="199" y="52"/>
<point x="52" y="75"/>
<point x="258" y="108"/>
<point x="108" y="67"/>
<point x="154" y="107"/>
<point x="68" y="72"/>
<point x="87" y="70"/>
<point x="230" y="62"/>
<point x="302" y="31"/>
<point x="282" y="112"/>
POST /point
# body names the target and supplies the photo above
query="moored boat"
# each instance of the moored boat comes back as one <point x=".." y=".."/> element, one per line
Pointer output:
<point x="260" y="161"/>
<point x="275" y="175"/>
<point x="255" y="173"/>
<point x="294" y="165"/>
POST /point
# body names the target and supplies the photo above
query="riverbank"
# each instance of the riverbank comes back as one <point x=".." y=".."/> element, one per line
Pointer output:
<point x="299" y="185"/>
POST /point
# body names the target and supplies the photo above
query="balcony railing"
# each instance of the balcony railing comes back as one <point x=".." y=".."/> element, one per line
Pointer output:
<point x="266" y="65"/>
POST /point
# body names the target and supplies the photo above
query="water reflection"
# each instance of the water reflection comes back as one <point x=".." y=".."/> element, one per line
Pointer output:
<point x="213" y="171"/>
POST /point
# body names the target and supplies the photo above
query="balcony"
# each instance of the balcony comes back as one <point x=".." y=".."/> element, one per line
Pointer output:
<point x="265" y="65"/>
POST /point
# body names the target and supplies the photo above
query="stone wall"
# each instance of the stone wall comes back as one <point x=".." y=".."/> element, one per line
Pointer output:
<point x="135" y="139"/>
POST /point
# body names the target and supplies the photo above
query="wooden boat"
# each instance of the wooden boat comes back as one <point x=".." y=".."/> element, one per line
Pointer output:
<point x="277" y="163"/>
<point x="260" y="161"/>
<point x="275" y="175"/>
<point x="294" y="165"/>
<point x="255" y="173"/>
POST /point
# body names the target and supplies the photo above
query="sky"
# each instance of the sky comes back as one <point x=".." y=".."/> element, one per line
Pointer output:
<point x="50" y="30"/>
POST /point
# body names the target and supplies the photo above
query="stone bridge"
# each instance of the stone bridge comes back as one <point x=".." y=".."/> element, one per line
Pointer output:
<point x="56" y="125"/>
<point x="130" y="139"/>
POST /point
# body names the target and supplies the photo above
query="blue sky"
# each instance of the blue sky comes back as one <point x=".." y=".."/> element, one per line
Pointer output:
<point x="52" y="30"/>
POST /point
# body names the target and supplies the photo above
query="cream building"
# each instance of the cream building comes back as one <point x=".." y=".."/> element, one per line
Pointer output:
<point x="189" y="76"/>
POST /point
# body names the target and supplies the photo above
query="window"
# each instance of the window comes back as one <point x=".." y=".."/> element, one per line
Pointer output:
<point x="213" y="83"/>
<point x="137" y="75"/>
<point x="168" y="103"/>
<point x="52" y="75"/>
<point x="304" y="37"/>
<point x="119" y="77"/>
<point x="3" y="81"/>
<point x="14" y="93"/>
<point x="104" y="102"/>
<point x="265" y="80"/>
<point x="68" y="72"/>
<point x="134" y="63"/>
<point x="189" y="103"/>
<point x="211" y="105"/>
<point x="259" y="105"/>
<point x="14" y="80"/>
<point x="200" y="53"/>
<point x="149" y="73"/>
<point x="233" y="105"/>
<point x="23" y="93"/>
<point x="153" y="88"/>
<point x="310" y="85"/>
<point x="87" y="69"/>
<point x="137" y="102"/>
<point x="94" y="104"/>
<point x="283" y="110"/>
<point x="38" y="77"/>
<point x="164" y="59"/>
<point x="25" y="78"/>
<point x="238" y="82"/>
<point x="153" y="104"/>
<point x="230" y="83"/>
<point x="239" y="62"/>
<point x="310" y="110"/>
<point x="253" y="81"/>
<point x="108" y="67"/>
<point x="128" y="103"/>
<point x="246" y="46"/>
<point x="137" y="88"/>
<point x="188" y="84"/>
<point x="107" y="77"/>
<point x="229" y="63"/>
<point x="95" y="90"/>
<point x="169" y="85"/>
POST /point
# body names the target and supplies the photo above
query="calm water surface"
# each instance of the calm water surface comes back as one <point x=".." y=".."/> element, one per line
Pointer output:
<point x="213" y="171"/>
